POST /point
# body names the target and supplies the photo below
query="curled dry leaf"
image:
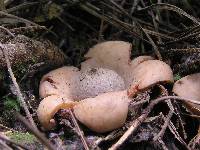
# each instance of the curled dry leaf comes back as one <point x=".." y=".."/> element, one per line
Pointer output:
<point x="188" y="87"/>
<point x="102" y="83"/>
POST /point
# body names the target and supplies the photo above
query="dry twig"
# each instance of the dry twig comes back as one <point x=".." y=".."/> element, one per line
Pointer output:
<point x="78" y="130"/>
<point x="4" y="145"/>
<point x="19" y="94"/>
<point x="144" y="115"/>
<point x="162" y="144"/>
<point x="164" y="92"/>
<point x="35" y="131"/>
<point x="164" y="127"/>
<point x="173" y="130"/>
<point x="172" y="8"/>
<point x="3" y="138"/>
<point x="18" y="18"/>
<point x="153" y="44"/>
<point x="8" y="31"/>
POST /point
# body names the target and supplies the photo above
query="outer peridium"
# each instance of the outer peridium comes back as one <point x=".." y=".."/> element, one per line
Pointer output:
<point x="62" y="86"/>
<point x="189" y="87"/>
<point x="138" y="74"/>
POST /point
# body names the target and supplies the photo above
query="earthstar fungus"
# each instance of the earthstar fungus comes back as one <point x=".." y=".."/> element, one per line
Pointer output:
<point x="99" y="93"/>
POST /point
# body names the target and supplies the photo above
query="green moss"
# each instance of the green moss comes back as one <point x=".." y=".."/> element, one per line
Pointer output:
<point x="177" y="77"/>
<point x="40" y="18"/>
<point x="54" y="11"/>
<point x="11" y="104"/>
<point x="23" y="138"/>
<point x="21" y="68"/>
<point x="34" y="60"/>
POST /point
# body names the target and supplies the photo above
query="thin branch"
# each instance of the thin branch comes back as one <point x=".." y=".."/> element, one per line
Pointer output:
<point x="162" y="144"/>
<point x="139" y="102"/>
<point x="157" y="34"/>
<point x="173" y="130"/>
<point x="164" y="127"/>
<point x="135" y="3"/>
<point x="113" y="21"/>
<point x="172" y="8"/>
<point x="181" y="121"/>
<point x="164" y="92"/>
<point x="21" y="6"/>
<point x="35" y="131"/>
<point x="2" y="137"/>
<point x="110" y="137"/>
<point x="8" y="31"/>
<point x="19" y="94"/>
<point x="78" y="130"/>
<point x="195" y="141"/>
<point x="4" y="145"/>
<point x="144" y="115"/>
<point x="7" y="128"/>
<point x="153" y="44"/>
<point x="65" y="23"/>
<point x="18" y="18"/>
